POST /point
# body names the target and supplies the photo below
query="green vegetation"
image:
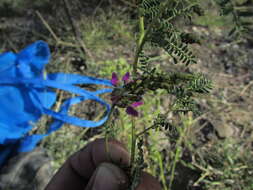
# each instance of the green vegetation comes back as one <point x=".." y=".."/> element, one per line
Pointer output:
<point x="209" y="150"/>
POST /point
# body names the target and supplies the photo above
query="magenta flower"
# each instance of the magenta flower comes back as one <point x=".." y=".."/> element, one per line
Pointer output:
<point x="115" y="79"/>
<point x="126" y="78"/>
<point x="130" y="109"/>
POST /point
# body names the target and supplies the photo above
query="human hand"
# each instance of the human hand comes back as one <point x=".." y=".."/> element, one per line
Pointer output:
<point x="91" y="169"/>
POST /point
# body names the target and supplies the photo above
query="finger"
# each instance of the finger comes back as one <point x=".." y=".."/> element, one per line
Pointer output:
<point x="78" y="169"/>
<point x="148" y="182"/>
<point x="98" y="154"/>
<point x="108" y="177"/>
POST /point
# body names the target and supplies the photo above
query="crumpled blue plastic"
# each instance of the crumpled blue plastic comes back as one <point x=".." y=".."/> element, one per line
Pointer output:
<point x="26" y="94"/>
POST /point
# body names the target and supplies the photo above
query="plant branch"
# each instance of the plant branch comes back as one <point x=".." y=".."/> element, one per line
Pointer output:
<point x="140" y="44"/>
<point x="106" y="133"/>
<point x="144" y="131"/>
<point x="144" y="33"/>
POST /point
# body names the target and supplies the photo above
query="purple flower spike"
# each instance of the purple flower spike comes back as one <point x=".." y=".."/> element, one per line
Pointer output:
<point x="136" y="104"/>
<point x="131" y="111"/>
<point x="126" y="77"/>
<point x="114" y="79"/>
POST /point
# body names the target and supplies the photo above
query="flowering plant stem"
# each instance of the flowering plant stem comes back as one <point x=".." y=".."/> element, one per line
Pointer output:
<point x="143" y="33"/>
<point x="140" y="44"/>
<point x="107" y="131"/>
<point x="133" y="145"/>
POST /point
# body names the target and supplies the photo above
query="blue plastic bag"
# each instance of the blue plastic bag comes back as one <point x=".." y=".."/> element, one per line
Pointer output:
<point x="26" y="94"/>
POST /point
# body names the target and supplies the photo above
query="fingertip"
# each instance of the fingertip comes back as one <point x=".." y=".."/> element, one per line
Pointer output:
<point x="108" y="177"/>
<point x="79" y="168"/>
<point x="117" y="153"/>
<point x="85" y="161"/>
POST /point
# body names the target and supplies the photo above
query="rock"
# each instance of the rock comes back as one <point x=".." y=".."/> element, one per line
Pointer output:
<point x="26" y="171"/>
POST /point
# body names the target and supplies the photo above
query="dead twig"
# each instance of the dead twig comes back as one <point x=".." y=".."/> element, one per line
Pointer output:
<point x="47" y="26"/>
<point x="246" y="87"/>
<point x="130" y="4"/>
<point x="56" y="38"/>
<point x="76" y="30"/>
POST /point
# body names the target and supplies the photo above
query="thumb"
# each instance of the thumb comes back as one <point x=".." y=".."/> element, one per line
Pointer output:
<point x="108" y="177"/>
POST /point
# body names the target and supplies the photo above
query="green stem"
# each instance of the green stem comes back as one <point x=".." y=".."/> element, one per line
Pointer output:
<point x="176" y="158"/>
<point x="142" y="30"/>
<point x="143" y="35"/>
<point x="106" y="133"/>
<point x="133" y="145"/>
<point x="140" y="44"/>
<point x="177" y="154"/>
<point x="163" y="178"/>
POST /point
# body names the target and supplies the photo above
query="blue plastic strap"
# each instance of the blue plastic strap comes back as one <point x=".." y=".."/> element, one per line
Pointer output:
<point x="77" y="79"/>
<point x="30" y="142"/>
<point x="25" y="95"/>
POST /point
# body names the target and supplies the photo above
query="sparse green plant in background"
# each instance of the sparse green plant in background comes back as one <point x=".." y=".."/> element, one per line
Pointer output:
<point x="241" y="13"/>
